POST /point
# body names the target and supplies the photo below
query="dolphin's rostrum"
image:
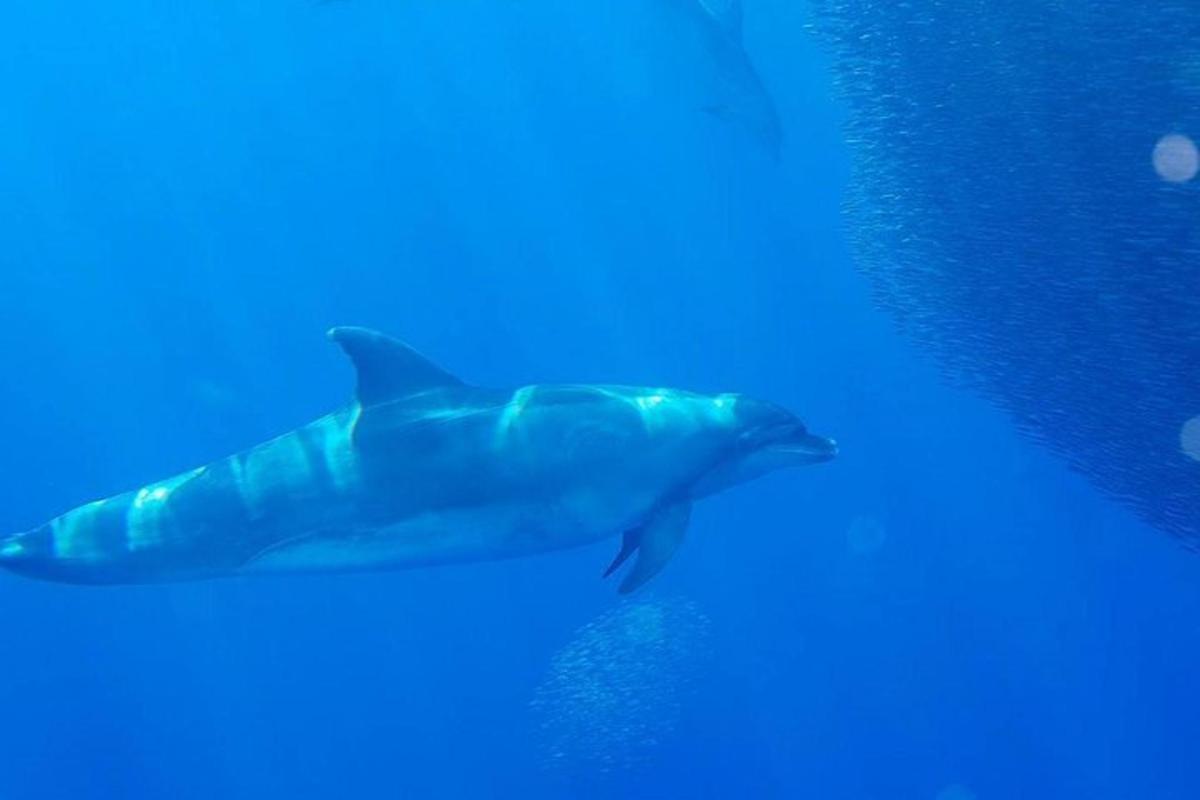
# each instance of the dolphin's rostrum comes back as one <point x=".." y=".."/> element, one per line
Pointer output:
<point x="423" y="469"/>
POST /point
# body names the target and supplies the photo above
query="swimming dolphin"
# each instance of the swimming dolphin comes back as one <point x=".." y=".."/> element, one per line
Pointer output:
<point x="742" y="97"/>
<point x="696" y="48"/>
<point x="422" y="469"/>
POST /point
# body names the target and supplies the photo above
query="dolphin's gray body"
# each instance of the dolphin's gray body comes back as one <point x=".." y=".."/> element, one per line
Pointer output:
<point x="422" y="469"/>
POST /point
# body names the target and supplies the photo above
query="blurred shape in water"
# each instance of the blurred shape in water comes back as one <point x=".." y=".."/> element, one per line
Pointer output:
<point x="746" y="99"/>
<point x="1004" y="211"/>
<point x="618" y="688"/>
<point x="1175" y="158"/>
<point x="1189" y="438"/>
<point x="866" y="535"/>
<point x="956" y="792"/>
<point x="695" y="51"/>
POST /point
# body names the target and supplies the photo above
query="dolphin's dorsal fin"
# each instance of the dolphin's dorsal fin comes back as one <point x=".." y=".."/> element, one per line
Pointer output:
<point x="656" y="541"/>
<point x="727" y="14"/>
<point x="387" y="368"/>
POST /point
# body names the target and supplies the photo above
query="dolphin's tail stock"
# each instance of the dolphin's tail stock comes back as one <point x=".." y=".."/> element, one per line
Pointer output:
<point x="30" y="554"/>
<point x="15" y="551"/>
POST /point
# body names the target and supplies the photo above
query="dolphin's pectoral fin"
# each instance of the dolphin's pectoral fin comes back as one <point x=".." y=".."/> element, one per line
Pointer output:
<point x="388" y="369"/>
<point x="656" y="541"/>
<point x="629" y="544"/>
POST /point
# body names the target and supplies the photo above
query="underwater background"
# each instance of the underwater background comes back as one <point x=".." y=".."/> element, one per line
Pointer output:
<point x="540" y="192"/>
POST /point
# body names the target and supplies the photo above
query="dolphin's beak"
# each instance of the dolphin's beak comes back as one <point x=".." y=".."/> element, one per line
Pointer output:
<point x="808" y="448"/>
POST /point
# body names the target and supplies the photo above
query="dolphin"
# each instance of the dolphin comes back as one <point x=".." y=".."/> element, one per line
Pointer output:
<point x="741" y="95"/>
<point x="726" y="86"/>
<point x="422" y="469"/>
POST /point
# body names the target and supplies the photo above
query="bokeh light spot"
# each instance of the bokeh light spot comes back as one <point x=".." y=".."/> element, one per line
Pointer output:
<point x="1189" y="438"/>
<point x="1176" y="158"/>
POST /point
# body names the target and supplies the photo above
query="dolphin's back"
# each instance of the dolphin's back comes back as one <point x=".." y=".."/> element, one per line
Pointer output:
<point x="465" y="446"/>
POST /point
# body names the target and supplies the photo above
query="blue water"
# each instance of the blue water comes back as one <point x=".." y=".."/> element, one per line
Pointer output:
<point x="193" y="195"/>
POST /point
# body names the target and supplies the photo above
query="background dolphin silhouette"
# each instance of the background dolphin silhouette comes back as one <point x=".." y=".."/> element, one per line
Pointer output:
<point x="423" y="469"/>
<point x="741" y="95"/>
<point x="699" y="55"/>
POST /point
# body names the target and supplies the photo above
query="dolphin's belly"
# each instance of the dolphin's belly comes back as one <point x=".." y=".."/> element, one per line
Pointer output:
<point x="456" y="535"/>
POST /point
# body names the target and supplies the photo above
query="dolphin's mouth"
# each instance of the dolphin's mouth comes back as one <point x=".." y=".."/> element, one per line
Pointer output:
<point x="807" y="447"/>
